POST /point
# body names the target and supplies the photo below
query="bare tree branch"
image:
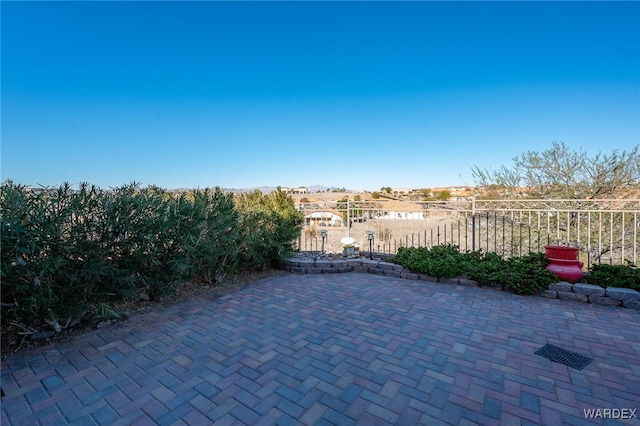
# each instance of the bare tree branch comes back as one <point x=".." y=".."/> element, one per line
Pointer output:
<point x="559" y="172"/>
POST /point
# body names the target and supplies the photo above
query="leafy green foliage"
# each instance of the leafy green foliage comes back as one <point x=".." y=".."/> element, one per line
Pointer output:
<point x="440" y="261"/>
<point x="606" y="275"/>
<point x="522" y="275"/>
<point x="526" y="274"/>
<point x="69" y="253"/>
<point x="486" y="269"/>
<point x="270" y="224"/>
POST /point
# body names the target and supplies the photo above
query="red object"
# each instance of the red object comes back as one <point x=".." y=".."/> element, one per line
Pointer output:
<point x="564" y="263"/>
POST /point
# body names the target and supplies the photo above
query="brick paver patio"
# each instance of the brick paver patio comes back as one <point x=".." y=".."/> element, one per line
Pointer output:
<point x="336" y="349"/>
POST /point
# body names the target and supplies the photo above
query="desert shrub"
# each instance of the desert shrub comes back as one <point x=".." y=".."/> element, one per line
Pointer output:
<point x="606" y="275"/>
<point x="205" y="235"/>
<point x="54" y="261"/>
<point x="65" y="251"/>
<point x="269" y="225"/>
<point x="69" y="253"/>
<point x="139" y="225"/>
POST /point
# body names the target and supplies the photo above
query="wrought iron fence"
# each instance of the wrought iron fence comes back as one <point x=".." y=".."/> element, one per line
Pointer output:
<point x="606" y="231"/>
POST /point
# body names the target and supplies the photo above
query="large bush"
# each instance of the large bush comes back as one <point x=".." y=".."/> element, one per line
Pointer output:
<point x="69" y="253"/>
<point x="270" y="224"/>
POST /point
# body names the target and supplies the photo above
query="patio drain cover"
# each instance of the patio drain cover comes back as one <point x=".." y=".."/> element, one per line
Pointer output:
<point x="564" y="356"/>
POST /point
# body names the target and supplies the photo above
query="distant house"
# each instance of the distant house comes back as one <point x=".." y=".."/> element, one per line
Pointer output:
<point x="298" y="190"/>
<point x="324" y="218"/>
<point x="401" y="215"/>
<point x="399" y="210"/>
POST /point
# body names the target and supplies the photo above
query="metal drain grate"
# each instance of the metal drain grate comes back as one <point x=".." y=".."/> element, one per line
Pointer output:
<point x="564" y="356"/>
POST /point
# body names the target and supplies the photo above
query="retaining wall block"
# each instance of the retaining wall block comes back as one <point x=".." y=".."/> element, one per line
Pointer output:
<point x="339" y="264"/>
<point x="631" y="304"/>
<point x="360" y="269"/>
<point x="354" y="263"/>
<point x="375" y="271"/>
<point x="323" y="263"/>
<point x="370" y="263"/>
<point x="604" y="301"/>
<point x="624" y="294"/>
<point x="305" y="263"/>
<point x="391" y="273"/>
<point x="573" y="296"/>
<point x="386" y="266"/>
<point x="588" y="289"/>
<point x="549" y="294"/>
<point x="408" y="275"/>
<point x="345" y="269"/>
<point x="398" y="268"/>
<point x="562" y="286"/>
<point x="453" y="280"/>
<point x="296" y="269"/>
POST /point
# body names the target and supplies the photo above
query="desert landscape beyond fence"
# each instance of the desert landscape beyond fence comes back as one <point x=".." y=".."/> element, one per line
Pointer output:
<point x="605" y="231"/>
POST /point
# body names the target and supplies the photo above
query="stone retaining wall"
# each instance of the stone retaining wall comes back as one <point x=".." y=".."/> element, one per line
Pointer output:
<point x="589" y="293"/>
<point x="586" y="293"/>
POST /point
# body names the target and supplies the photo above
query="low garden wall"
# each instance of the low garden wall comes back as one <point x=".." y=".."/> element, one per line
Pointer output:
<point x="590" y="293"/>
<point x="580" y="292"/>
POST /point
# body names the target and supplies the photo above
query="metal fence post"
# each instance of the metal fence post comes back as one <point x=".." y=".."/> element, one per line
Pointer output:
<point x="473" y="223"/>
<point x="348" y="218"/>
<point x="473" y="232"/>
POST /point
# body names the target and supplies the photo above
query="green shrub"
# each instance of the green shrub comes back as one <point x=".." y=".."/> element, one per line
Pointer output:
<point x="486" y="269"/>
<point x="51" y="261"/>
<point x="446" y="261"/>
<point x="522" y="275"/>
<point x="269" y="224"/>
<point x="440" y="261"/>
<point x="69" y="253"/>
<point x="605" y="275"/>
<point x="526" y="274"/>
<point x="205" y="235"/>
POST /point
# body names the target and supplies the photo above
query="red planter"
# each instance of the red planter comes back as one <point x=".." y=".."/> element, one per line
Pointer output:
<point x="561" y="252"/>
<point x="564" y="263"/>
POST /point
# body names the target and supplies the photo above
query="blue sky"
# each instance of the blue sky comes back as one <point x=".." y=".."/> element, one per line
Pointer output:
<point x="353" y="94"/>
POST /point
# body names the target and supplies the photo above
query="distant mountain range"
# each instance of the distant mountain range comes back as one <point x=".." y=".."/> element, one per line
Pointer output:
<point x="266" y="189"/>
